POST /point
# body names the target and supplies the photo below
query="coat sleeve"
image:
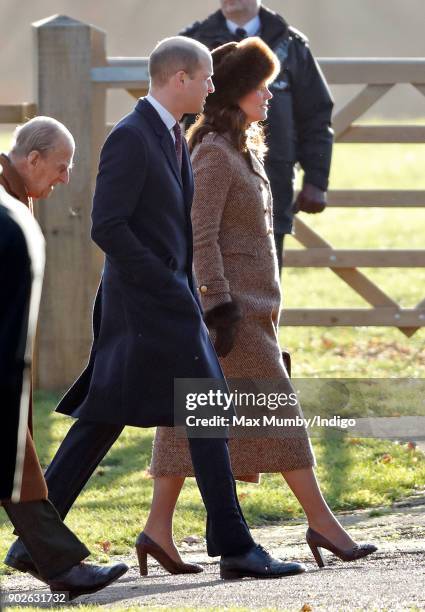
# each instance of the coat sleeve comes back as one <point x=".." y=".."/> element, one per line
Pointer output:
<point x="190" y="31"/>
<point x="213" y="177"/>
<point x="313" y="106"/>
<point x="119" y="190"/>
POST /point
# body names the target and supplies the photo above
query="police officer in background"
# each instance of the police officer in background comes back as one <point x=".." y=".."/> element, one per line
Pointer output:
<point x="299" y="118"/>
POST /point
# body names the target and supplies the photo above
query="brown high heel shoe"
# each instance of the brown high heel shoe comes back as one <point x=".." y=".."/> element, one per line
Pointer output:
<point x="316" y="541"/>
<point x="145" y="546"/>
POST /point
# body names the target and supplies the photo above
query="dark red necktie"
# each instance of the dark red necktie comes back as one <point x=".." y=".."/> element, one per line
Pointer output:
<point x="179" y="143"/>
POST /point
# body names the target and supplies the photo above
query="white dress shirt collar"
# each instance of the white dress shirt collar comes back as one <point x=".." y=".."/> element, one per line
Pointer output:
<point x="165" y="114"/>
<point x="252" y="27"/>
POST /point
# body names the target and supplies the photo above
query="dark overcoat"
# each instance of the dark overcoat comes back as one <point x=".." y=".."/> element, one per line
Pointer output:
<point x="21" y="273"/>
<point x="147" y="325"/>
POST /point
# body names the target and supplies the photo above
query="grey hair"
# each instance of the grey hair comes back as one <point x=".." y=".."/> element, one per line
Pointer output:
<point x="173" y="54"/>
<point x="40" y="134"/>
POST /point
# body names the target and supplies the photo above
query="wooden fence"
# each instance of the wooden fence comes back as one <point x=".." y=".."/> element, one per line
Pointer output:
<point x="73" y="76"/>
<point x="378" y="77"/>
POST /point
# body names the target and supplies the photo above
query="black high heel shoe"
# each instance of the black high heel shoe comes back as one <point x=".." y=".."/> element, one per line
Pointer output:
<point x="146" y="546"/>
<point x="316" y="542"/>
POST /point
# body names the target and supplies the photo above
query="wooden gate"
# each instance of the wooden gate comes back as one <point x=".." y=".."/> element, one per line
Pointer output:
<point x="378" y="76"/>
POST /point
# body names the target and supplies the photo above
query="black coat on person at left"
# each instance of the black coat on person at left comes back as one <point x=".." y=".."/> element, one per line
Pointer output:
<point x="148" y="326"/>
<point x="21" y="273"/>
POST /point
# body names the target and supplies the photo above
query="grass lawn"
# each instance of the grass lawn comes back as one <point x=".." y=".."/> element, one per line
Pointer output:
<point x="114" y="505"/>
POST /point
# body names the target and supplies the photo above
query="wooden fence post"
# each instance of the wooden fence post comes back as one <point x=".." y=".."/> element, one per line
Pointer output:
<point x="65" y="51"/>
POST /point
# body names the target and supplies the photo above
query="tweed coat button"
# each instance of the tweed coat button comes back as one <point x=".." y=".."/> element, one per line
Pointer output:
<point x="271" y="252"/>
<point x="266" y="208"/>
<point x="269" y="231"/>
<point x="203" y="288"/>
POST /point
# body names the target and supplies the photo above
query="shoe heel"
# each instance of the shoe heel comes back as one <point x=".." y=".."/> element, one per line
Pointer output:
<point x="142" y="557"/>
<point x="228" y="574"/>
<point x="317" y="554"/>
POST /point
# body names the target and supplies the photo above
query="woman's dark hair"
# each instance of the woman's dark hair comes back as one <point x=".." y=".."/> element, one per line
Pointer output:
<point x="231" y="121"/>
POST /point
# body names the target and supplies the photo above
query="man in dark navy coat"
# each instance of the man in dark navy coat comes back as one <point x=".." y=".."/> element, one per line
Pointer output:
<point x="148" y="324"/>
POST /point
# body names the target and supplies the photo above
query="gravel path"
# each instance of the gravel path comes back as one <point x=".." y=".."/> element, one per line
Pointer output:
<point x="392" y="579"/>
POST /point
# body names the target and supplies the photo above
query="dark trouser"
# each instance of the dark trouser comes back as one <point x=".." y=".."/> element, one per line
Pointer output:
<point x="278" y="239"/>
<point x="51" y="545"/>
<point x="227" y="532"/>
<point x="86" y="444"/>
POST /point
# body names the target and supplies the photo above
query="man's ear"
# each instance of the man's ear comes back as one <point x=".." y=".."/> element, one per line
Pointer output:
<point x="180" y="77"/>
<point x="33" y="158"/>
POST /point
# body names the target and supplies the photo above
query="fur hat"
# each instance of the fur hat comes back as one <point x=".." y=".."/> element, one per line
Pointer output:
<point x="239" y="68"/>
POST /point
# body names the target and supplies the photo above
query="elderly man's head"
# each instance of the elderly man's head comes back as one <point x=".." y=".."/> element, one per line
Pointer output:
<point x="180" y="71"/>
<point x="42" y="154"/>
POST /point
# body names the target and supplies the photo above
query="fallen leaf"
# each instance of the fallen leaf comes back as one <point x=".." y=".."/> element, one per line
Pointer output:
<point x="105" y="546"/>
<point x="327" y="343"/>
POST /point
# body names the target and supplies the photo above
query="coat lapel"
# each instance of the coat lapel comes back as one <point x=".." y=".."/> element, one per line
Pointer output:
<point x="163" y="134"/>
<point x="167" y="145"/>
<point x="258" y="166"/>
<point x="187" y="175"/>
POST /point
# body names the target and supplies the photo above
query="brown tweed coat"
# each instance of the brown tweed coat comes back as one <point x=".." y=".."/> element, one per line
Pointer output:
<point x="235" y="257"/>
<point x="33" y="485"/>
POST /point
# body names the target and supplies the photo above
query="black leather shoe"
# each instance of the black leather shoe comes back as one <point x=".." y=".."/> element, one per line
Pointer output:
<point x="22" y="565"/>
<point x="257" y="563"/>
<point x="83" y="578"/>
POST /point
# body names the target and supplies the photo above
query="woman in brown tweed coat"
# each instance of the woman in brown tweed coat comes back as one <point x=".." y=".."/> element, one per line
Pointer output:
<point x="236" y="268"/>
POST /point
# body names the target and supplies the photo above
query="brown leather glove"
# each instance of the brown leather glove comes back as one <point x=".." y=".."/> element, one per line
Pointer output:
<point x="311" y="199"/>
<point x="224" y="319"/>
